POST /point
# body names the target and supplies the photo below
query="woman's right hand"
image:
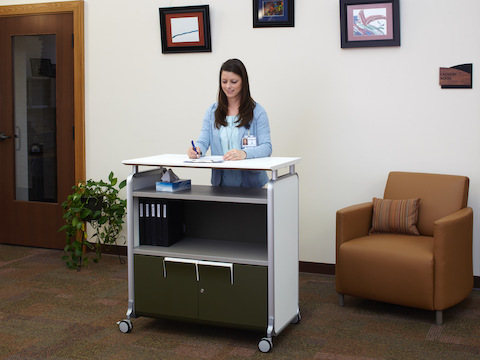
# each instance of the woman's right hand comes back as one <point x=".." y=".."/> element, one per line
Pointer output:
<point x="192" y="154"/>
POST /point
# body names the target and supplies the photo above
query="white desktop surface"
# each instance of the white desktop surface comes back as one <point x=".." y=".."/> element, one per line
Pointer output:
<point x="178" y="160"/>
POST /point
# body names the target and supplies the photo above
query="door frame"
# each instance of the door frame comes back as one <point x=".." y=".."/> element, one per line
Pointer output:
<point x="77" y="9"/>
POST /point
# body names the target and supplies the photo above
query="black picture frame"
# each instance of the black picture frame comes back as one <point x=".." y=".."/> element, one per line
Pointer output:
<point x="185" y="29"/>
<point x="379" y="28"/>
<point x="268" y="13"/>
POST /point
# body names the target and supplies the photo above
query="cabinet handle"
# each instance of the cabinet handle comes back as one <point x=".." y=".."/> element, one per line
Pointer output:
<point x="180" y="260"/>
<point x="196" y="263"/>
<point x="220" y="264"/>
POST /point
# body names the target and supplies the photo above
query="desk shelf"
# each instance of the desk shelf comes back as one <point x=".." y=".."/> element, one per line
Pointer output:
<point x="208" y="193"/>
<point x="211" y="250"/>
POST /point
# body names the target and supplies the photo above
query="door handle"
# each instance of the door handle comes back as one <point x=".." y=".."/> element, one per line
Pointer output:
<point x="4" y="137"/>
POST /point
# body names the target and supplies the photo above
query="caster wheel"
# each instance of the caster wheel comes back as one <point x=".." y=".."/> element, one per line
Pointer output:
<point x="125" y="326"/>
<point x="297" y="319"/>
<point x="265" y="345"/>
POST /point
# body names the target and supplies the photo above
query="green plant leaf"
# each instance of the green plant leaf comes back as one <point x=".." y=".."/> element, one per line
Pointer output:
<point x="85" y="213"/>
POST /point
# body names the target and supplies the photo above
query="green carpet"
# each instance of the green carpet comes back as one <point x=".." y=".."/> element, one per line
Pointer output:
<point x="50" y="312"/>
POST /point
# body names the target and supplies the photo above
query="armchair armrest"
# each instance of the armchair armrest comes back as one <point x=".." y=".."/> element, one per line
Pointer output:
<point x="353" y="222"/>
<point x="453" y="257"/>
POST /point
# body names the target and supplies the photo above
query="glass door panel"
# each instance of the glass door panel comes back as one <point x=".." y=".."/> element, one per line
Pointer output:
<point x="34" y="74"/>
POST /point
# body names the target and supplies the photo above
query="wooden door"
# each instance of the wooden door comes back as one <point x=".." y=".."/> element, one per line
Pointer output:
<point x="37" y="155"/>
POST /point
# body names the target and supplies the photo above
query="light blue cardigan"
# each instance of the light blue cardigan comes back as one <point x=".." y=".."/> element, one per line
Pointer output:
<point x="259" y="127"/>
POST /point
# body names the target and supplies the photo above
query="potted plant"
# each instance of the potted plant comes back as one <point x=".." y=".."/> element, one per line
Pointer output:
<point x="96" y="203"/>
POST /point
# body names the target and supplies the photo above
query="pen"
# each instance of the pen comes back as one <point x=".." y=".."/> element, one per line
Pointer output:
<point x="194" y="148"/>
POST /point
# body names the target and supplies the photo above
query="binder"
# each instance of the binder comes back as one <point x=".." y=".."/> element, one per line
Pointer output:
<point x="153" y="223"/>
<point x="172" y="221"/>
<point x="157" y="224"/>
<point x="148" y="221"/>
<point x="141" y="221"/>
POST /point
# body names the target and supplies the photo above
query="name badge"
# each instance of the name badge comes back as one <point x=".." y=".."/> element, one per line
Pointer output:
<point x="249" y="142"/>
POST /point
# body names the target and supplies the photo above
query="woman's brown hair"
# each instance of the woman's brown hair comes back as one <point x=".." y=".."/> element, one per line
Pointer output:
<point x="245" y="111"/>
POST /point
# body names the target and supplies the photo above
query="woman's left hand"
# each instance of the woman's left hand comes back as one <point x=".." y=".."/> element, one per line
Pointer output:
<point x="235" y="155"/>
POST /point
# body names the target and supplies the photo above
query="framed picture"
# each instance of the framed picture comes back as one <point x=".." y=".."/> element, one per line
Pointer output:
<point x="366" y="23"/>
<point x="267" y="13"/>
<point x="185" y="29"/>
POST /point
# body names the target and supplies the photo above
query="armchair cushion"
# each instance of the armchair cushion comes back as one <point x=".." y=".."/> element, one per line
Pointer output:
<point x="395" y="216"/>
<point x="397" y="269"/>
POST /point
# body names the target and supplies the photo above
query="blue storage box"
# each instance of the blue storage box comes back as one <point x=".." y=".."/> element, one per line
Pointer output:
<point x="174" y="186"/>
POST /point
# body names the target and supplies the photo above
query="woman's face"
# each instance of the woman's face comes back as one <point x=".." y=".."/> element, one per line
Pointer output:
<point x="231" y="85"/>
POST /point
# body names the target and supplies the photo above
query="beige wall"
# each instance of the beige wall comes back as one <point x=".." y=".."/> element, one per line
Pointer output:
<point x="353" y="115"/>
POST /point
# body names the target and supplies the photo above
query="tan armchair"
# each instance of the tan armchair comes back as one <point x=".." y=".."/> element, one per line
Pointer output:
<point x="432" y="271"/>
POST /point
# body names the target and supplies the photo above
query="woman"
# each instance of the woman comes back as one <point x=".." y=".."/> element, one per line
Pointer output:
<point x="235" y="127"/>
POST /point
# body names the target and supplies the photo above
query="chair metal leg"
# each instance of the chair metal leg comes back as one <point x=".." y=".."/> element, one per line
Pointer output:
<point x="439" y="317"/>
<point x="341" y="299"/>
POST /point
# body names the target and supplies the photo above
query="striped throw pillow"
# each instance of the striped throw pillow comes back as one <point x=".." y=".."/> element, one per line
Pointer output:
<point x="395" y="216"/>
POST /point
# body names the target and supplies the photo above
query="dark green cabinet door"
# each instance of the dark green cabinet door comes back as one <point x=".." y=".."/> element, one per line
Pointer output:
<point x="242" y="303"/>
<point x="171" y="291"/>
<point x="148" y="284"/>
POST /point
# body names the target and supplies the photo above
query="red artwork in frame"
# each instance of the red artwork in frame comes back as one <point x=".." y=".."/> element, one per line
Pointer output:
<point x="370" y="22"/>
<point x="185" y="29"/>
<point x="366" y="23"/>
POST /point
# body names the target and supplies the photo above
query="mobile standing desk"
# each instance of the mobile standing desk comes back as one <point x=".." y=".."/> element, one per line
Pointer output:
<point x="237" y="261"/>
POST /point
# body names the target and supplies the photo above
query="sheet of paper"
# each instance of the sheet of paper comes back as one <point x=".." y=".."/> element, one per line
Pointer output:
<point x="206" y="159"/>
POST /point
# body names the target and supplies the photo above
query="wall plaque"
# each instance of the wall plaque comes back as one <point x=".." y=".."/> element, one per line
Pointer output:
<point x="456" y="77"/>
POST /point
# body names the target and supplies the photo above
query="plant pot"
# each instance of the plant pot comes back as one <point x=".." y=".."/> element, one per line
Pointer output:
<point x="94" y="204"/>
